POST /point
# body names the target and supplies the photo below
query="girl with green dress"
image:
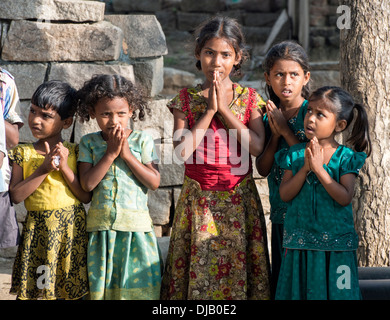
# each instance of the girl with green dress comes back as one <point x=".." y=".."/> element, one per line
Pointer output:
<point x="51" y="261"/>
<point x="218" y="245"/>
<point x="118" y="165"/>
<point x="287" y="73"/>
<point x="320" y="241"/>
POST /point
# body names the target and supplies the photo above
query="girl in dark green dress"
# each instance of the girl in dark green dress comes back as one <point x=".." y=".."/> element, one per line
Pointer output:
<point x="319" y="239"/>
<point x="287" y="73"/>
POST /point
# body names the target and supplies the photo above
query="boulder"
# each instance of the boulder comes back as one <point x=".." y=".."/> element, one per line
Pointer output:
<point x="160" y="121"/>
<point x="149" y="73"/>
<point x="77" y="73"/>
<point x="257" y="6"/>
<point x="28" y="76"/>
<point x="142" y="33"/>
<point x="55" y="10"/>
<point x="175" y="80"/>
<point x="171" y="168"/>
<point x="189" y="21"/>
<point x="159" y="203"/>
<point x="38" y="41"/>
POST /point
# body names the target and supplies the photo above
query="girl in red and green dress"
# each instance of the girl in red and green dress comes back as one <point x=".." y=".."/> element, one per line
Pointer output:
<point x="218" y="247"/>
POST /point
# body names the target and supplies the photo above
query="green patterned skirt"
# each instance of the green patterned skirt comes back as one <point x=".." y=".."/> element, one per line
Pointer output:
<point x="51" y="261"/>
<point x="318" y="275"/>
<point x="123" y="266"/>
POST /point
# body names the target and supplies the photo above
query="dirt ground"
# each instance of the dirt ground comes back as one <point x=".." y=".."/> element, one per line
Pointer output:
<point x="5" y="279"/>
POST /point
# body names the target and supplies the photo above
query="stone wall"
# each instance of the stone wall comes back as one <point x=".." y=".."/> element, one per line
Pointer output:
<point x="256" y="17"/>
<point x="324" y="34"/>
<point x="72" y="40"/>
<point x="180" y="17"/>
<point x="185" y="15"/>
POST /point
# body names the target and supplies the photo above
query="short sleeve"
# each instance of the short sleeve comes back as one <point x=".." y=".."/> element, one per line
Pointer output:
<point x="148" y="153"/>
<point x="283" y="159"/>
<point x="11" y="107"/>
<point x="267" y="128"/>
<point x="13" y="116"/>
<point x="16" y="155"/>
<point x="260" y="103"/>
<point x="182" y="102"/>
<point x="175" y="103"/>
<point x="352" y="162"/>
<point x="3" y="146"/>
<point x="85" y="150"/>
<point x="252" y="100"/>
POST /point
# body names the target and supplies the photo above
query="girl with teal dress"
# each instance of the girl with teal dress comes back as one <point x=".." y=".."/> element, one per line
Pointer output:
<point x="117" y="164"/>
<point x="319" y="262"/>
<point x="287" y="73"/>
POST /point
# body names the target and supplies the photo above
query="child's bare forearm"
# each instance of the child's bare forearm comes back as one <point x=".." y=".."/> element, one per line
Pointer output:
<point x="74" y="184"/>
<point x="21" y="189"/>
<point x="147" y="174"/>
<point x="90" y="176"/>
<point x="292" y="184"/>
<point x="265" y="161"/>
<point x="341" y="192"/>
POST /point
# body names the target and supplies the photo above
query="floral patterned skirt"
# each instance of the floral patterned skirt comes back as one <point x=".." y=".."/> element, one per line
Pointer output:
<point x="218" y="247"/>
<point x="51" y="262"/>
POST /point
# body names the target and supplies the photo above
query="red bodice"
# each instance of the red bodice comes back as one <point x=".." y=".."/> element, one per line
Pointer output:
<point x="219" y="162"/>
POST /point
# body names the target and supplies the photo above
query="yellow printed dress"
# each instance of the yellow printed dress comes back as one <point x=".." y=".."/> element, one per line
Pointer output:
<point x="218" y="247"/>
<point x="51" y="262"/>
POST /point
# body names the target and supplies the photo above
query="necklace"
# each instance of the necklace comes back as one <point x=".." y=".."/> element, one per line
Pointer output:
<point x="291" y="112"/>
<point x="287" y="114"/>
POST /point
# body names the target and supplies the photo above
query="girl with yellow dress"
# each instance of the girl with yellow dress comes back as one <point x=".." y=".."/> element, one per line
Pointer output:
<point x="51" y="261"/>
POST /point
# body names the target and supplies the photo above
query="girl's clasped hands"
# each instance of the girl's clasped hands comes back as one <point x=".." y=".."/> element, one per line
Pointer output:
<point x="117" y="142"/>
<point x="216" y="93"/>
<point x="277" y="121"/>
<point x="314" y="156"/>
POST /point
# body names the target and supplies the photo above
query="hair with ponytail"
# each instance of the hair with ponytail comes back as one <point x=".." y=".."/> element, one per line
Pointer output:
<point x="343" y="106"/>
<point x="360" y="137"/>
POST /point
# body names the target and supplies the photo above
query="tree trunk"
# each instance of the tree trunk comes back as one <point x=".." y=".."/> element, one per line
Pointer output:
<point x="365" y="73"/>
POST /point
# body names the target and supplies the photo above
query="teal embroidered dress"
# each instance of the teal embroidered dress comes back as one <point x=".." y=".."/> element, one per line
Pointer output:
<point x="123" y="255"/>
<point x="319" y="234"/>
<point x="278" y="207"/>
